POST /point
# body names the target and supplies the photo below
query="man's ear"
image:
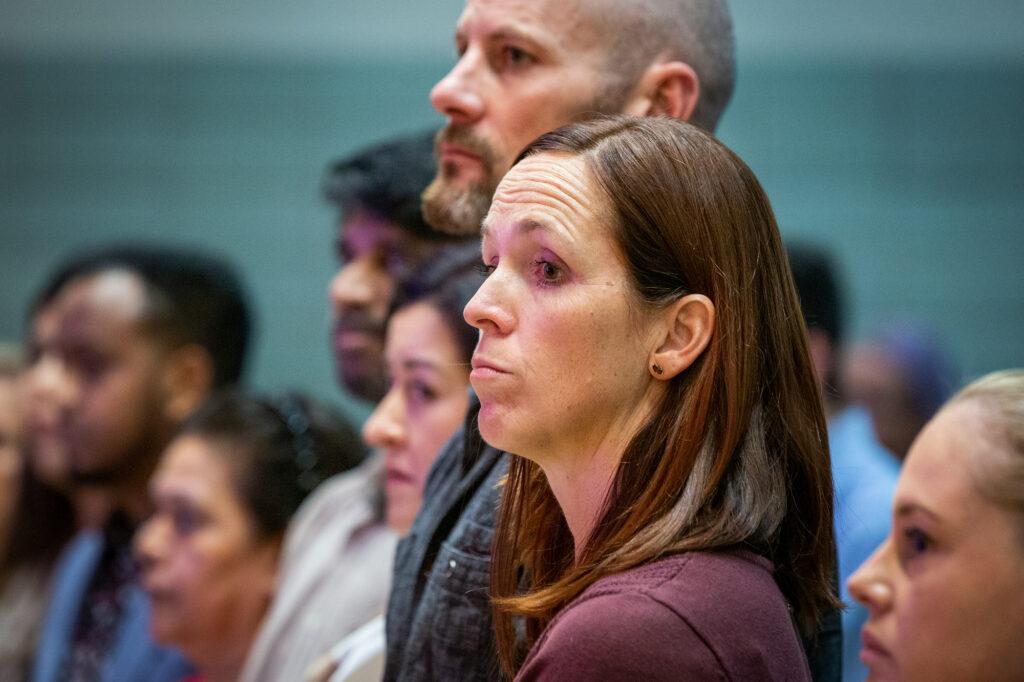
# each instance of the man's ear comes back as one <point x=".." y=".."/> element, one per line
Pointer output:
<point x="666" y="89"/>
<point x="690" y="323"/>
<point x="187" y="379"/>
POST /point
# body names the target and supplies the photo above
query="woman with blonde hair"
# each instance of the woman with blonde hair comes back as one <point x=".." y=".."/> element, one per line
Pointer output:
<point x="668" y="508"/>
<point x="945" y="591"/>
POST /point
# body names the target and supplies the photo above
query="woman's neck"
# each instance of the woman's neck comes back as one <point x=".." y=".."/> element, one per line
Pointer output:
<point x="581" y="477"/>
<point x="222" y="673"/>
<point x="225" y="667"/>
<point x="581" y="492"/>
<point x="227" y="659"/>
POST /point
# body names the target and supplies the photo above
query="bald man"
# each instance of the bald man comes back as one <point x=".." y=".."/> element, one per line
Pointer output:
<point x="525" y="68"/>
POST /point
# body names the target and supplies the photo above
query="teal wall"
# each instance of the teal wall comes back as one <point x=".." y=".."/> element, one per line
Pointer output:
<point x="912" y="171"/>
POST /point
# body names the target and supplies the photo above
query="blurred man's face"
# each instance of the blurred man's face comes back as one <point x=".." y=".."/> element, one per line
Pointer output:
<point x="45" y="382"/>
<point x="374" y="256"/>
<point x="524" y="68"/>
<point x="112" y="417"/>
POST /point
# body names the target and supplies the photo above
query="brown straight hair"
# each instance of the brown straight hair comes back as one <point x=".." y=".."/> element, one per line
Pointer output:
<point x="736" y="455"/>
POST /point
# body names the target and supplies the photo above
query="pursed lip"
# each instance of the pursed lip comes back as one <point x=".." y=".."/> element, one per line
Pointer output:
<point x="156" y="592"/>
<point x="486" y="366"/>
<point x="395" y="475"/>
<point x="872" y="649"/>
<point x="448" y="150"/>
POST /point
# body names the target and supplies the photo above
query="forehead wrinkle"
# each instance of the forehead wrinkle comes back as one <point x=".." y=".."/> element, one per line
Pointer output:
<point x="549" y="186"/>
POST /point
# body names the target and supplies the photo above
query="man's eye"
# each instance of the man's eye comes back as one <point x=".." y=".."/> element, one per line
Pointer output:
<point x="512" y="56"/>
<point x="88" y="366"/>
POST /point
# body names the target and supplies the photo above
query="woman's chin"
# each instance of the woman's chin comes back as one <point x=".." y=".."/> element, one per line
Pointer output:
<point x="492" y="427"/>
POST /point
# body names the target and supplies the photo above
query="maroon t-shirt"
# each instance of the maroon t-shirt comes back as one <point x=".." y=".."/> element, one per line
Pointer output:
<point x="693" y="616"/>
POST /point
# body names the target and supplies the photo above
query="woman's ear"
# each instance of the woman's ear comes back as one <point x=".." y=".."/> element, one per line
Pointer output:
<point x="666" y="89"/>
<point x="689" y="324"/>
<point x="187" y="379"/>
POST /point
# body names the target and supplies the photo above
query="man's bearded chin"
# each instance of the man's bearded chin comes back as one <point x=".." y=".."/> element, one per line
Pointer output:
<point x="456" y="210"/>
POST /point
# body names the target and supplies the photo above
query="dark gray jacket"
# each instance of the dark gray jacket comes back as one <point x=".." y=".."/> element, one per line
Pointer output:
<point x="439" y="618"/>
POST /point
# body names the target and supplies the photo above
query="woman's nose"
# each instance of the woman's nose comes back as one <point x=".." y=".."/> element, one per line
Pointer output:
<point x="150" y="543"/>
<point x="870" y="584"/>
<point x="386" y="426"/>
<point x="490" y="309"/>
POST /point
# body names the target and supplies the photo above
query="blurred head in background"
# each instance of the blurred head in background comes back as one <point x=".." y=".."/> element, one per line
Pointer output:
<point x="901" y="377"/>
<point x="822" y="304"/>
<point x="142" y="335"/>
<point x="225" y="490"/>
<point x="382" y="239"/>
<point x="427" y="352"/>
<point x="36" y="517"/>
<point x="11" y="439"/>
<point x="945" y="591"/>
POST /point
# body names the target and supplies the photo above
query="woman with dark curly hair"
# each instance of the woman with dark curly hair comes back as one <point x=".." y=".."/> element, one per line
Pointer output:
<point x="224" y="493"/>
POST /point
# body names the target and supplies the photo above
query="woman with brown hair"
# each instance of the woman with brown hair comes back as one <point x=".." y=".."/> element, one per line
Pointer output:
<point x="643" y="356"/>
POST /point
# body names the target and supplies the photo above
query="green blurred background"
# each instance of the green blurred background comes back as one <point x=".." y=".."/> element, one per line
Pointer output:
<point x="890" y="132"/>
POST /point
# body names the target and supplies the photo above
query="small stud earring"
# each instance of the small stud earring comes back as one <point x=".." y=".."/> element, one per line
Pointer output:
<point x="657" y="368"/>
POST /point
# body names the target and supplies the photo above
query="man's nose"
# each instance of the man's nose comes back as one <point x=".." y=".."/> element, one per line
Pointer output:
<point x="356" y="284"/>
<point x="458" y="95"/>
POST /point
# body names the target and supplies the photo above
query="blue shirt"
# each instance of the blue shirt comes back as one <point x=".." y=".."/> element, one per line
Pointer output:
<point x="864" y="475"/>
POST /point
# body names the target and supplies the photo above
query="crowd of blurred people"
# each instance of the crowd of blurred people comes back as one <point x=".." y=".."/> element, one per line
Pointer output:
<point x="618" y="429"/>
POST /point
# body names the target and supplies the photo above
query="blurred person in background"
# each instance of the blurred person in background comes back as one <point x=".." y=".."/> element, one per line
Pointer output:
<point x="44" y="384"/>
<point x="36" y="520"/>
<point x="901" y="377"/>
<point x="382" y="239"/>
<point x="337" y="567"/>
<point x="44" y="381"/>
<point x="143" y="335"/>
<point x="223" y="495"/>
<point x="945" y="591"/>
<point x="864" y="473"/>
<point x="521" y="70"/>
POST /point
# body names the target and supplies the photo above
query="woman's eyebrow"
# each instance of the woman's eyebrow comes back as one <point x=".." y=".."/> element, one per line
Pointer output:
<point x="525" y="226"/>
<point x="904" y="509"/>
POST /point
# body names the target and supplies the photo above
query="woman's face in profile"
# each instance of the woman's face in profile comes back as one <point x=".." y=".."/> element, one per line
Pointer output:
<point x="425" y="404"/>
<point x="945" y="591"/>
<point x="209" y="577"/>
<point x="10" y="452"/>
<point x="562" y="358"/>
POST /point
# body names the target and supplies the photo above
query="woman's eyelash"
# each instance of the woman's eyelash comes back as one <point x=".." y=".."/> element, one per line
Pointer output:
<point x="548" y="271"/>
<point x="917" y="541"/>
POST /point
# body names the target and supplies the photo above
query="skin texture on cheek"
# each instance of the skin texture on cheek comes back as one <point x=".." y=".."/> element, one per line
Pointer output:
<point x="577" y="358"/>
